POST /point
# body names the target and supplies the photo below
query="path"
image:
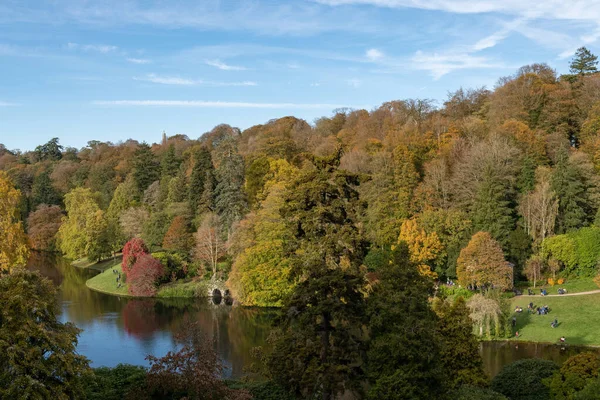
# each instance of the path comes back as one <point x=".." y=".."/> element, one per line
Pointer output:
<point x="562" y="295"/>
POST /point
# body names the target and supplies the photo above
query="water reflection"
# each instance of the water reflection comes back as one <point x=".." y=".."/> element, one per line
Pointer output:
<point x="121" y="330"/>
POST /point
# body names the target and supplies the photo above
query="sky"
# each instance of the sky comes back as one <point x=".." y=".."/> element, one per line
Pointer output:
<point x="111" y="70"/>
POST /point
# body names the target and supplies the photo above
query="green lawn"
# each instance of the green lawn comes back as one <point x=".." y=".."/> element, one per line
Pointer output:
<point x="572" y="286"/>
<point x="197" y="288"/>
<point x="105" y="282"/>
<point x="99" y="265"/>
<point x="578" y="317"/>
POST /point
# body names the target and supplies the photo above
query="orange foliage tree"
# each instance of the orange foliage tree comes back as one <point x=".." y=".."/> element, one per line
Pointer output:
<point x="482" y="263"/>
<point x="423" y="247"/>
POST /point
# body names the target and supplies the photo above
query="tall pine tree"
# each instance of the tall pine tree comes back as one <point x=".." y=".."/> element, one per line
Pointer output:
<point x="146" y="168"/>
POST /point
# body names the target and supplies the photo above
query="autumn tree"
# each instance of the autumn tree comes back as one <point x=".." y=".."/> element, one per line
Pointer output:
<point x="533" y="269"/>
<point x="42" y="226"/>
<point x="13" y="243"/>
<point x="423" y="248"/>
<point x="210" y="246"/>
<point x="486" y="313"/>
<point x="132" y="221"/>
<point x="144" y="276"/>
<point x="574" y="375"/>
<point x="178" y="237"/>
<point x="133" y="250"/>
<point x="539" y="208"/>
<point x="317" y="342"/>
<point x="38" y="356"/>
<point x="482" y="264"/>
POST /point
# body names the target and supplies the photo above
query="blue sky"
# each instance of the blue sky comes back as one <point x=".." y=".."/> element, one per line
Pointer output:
<point x="116" y="69"/>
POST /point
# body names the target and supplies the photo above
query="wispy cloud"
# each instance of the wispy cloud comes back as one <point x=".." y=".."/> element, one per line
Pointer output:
<point x="100" y="48"/>
<point x="225" y="67"/>
<point x="175" y="80"/>
<point x="354" y="82"/>
<point x="216" y="104"/>
<point x="8" y="104"/>
<point x="440" y="64"/>
<point x="139" y="60"/>
<point x="374" y="54"/>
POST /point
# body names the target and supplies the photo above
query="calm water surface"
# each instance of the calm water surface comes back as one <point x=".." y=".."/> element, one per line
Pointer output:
<point x="121" y="330"/>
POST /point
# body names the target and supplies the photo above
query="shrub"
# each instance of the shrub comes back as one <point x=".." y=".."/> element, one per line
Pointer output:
<point x="590" y="392"/>
<point x="144" y="276"/>
<point x="114" y="383"/>
<point x="560" y="281"/>
<point x="523" y="379"/>
<point x="468" y="392"/>
<point x="597" y="280"/>
<point x="174" y="264"/>
<point x="551" y="282"/>
<point x="574" y="375"/>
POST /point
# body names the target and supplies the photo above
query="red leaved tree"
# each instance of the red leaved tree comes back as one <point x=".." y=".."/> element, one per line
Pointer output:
<point x="133" y="250"/>
<point x="178" y="238"/>
<point x="144" y="275"/>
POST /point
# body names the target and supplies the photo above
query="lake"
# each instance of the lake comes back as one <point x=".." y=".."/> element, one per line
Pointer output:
<point x="123" y="330"/>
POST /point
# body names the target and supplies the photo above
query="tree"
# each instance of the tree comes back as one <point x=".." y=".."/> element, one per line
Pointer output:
<point x="132" y="221"/>
<point x="539" y="208"/>
<point x="38" y="357"/>
<point x="403" y="358"/>
<point x="42" y="191"/>
<point x="584" y="62"/>
<point x="193" y="372"/>
<point x="459" y="348"/>
<point x="43" y="224"/>
<point x="155" y="228"/>
<point x="114" y="383"/>
<point x="84" y="230"/>
<point x="13" y="243"/>
<point x="590" y="392"/>
<point x="178" y="237"/>
<point x="423" y="248"/>
<point x="230" y="202"/>
<point x="51" y="151"/>
<point x="146" y="168"/>
<point x="202" y="166"/>
<point x="144" y="276"/>
<point x="210" y="246"/>
<point x="169" y="163"/>
<point x="133" y="250"/>
<point x="317" y="343"/>
<point x="469" y="392"/>
<point x="533" y="269"/>
<point x="124" y="197"/>
<point x="525" y="379"/>
<point x="482" y="263"/>
<point x="486" y="314"/>
<point x="574" y="375"/>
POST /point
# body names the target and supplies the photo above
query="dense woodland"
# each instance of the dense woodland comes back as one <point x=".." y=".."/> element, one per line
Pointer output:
<point x="349" y="223"/>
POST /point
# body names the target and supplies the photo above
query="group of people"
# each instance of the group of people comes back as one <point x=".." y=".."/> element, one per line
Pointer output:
<point x="118" y="280"/>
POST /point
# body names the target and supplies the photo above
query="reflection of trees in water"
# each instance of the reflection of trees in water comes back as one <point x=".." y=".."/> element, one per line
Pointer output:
<point x="498" y="354"/>
<point x="140" y="318"/>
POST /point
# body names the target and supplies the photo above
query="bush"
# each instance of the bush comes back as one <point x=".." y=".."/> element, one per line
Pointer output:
<point x="144" y="276"/>
<point x="560" y="281"/>
<point x="590" y="392"/>
<point x="174" y="263"/>
<point x="523" y="379"/>
<point x="133" y="250"/>
<point x="550" y="281"/>
<point x="468" y="392"/>
<point x="265" y="390"/>
<point x="574" y="375"/>
<point x="454" y="291"/>
<point x="114" y="383"/>
<point x="597" y="280"/>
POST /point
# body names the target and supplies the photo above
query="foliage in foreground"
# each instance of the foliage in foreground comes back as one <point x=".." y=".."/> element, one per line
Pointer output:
<point x="524" y="379"/>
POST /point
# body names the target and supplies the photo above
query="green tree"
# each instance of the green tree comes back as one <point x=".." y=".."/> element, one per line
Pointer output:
<point x="169" y="163"/>
<point x="584" y="62"/>
<point x="202" y="165"/>
<point x="525" y="379"/>
<point x="574" y="375"/>
<point x="459" y="348"/>
<point x="469" y="392"/>
<point x="50" y="151"/>
<point x="38" y="357"/>
<point x="230" y="202"/>
<point x="146" y="168"/>
<point x="403" y="355"/>
<point x="316" y="350"/>
<point x="114" y="383"/>
<point x="590" y="392"/>
<point x="255" y="178"/>
<point x="42" y="191"/>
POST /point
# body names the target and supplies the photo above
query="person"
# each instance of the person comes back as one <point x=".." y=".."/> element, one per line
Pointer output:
<point x="554" y="323"/>
<point x="562" y="339"/>
<point x="530" y="292"/>
<point x="517" y="334"/>
<point x="514" y="321"/>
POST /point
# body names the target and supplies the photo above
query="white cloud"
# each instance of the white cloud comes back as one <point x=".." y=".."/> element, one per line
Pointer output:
<point x="175" y="80"/>
<point x="440" y="64"/>
<point x="374" y="54"/>
<point x="225" y="67"/>
<point x="100" y="48"/>
<point x="8" y="104"/>
<point x="139" y="60"/>
<point x="216" y="104"/>
<point x="315" y="84"/>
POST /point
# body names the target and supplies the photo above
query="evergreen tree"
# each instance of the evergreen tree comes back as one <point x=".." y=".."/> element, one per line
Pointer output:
<point x="318" y="342"/>
<point x="574" y="209"/>
<point x="145" y="167"/>
<point x="202" y="165"/>
<point x="169" y="164"/>
<point x="404" y="354"/>
<point x="207" y="200"/>
<point x="584" y="62"/>
<point x="50" y="151"/>
<point x="491" y="209"/>
<point x="230" y="202"/>
<point x="42" y="191"/>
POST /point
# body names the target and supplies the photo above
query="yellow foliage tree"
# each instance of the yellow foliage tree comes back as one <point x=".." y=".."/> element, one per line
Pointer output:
<point x="13" y="242"/>
<point x="482" y="263"/>
<point x="423" y="247"/>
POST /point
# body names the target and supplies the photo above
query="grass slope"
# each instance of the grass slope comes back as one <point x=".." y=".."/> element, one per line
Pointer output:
<point x="578" y="317"/>
<point x="100" y="265"/>
<point x="105" y="282"/>
<point x="572" y="286"/>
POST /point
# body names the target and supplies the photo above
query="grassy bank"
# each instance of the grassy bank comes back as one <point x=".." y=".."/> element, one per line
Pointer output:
<point x="578" y="317"/>
<point x="572" y="286"/>
<point x="105" y="282"/>
<point x="102" y="265"/>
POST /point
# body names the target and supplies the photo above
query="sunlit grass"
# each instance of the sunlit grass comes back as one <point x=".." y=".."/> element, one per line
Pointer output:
<point x="106" y="282"/>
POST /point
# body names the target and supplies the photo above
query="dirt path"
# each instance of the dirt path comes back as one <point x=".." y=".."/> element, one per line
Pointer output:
<point x="563" y="295"/>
